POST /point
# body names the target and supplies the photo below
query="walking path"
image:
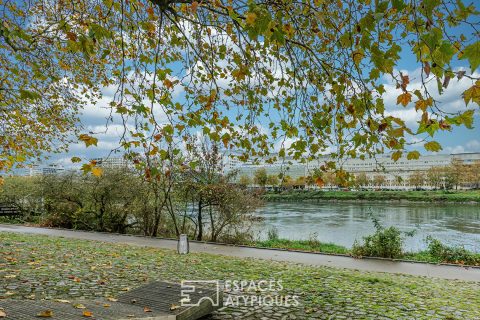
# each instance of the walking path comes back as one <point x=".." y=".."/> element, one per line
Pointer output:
<point x="375" y="265"/>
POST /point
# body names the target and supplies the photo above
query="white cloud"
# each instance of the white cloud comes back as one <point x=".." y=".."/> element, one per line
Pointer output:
<point x="470" y="146"/>
<point x="449" y="101"/>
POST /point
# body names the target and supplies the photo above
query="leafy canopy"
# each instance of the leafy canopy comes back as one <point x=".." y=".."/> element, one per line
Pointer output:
<point x="244" y="73"/>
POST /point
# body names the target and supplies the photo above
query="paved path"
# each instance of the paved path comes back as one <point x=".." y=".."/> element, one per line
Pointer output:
<point x="416" y="269"/>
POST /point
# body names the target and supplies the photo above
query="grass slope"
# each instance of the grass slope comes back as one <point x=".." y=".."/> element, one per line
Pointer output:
<point x="419" y="196"/>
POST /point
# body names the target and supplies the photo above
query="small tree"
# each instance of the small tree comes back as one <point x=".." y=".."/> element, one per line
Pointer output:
<point x="379" y="180"/>
<point x="435" y="177"/>
<point x="272" y="180"/>
<point x="361" y="179"/>
<point x="245" y="180"/>
<point x="416" y="179"/>
<point x="260" y="177"/>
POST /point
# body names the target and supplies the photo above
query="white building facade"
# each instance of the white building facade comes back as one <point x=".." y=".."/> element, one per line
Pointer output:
<point x="396" y="173"/>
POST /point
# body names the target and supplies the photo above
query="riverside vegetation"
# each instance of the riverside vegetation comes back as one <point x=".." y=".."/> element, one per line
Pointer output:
<point x="339" y="195"/>
<point x="383" y="243"/>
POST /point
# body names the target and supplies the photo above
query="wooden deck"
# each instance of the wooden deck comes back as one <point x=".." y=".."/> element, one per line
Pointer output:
<point x="154" y="301"/>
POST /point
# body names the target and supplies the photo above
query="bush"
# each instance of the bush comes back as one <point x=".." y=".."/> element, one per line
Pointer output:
<point x="450" y="254"/>
<point x="384" y="243"/>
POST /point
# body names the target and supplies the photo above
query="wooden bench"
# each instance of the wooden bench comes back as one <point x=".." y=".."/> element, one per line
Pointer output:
<point x="9" y="210"/>
<point x="154" y="301"/>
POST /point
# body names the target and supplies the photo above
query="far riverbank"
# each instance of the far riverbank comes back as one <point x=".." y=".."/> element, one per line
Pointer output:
<point x="449" y="196"/>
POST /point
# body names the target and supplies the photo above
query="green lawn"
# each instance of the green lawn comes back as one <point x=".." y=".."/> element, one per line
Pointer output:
<point x="424" y="196"/>
<point x="40" y="267"/>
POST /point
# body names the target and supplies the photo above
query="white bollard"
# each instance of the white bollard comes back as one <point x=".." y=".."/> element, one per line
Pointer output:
<point x="182" y="246"/>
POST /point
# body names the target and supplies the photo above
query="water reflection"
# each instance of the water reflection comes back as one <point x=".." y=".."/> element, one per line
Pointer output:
<point x="342" y="223"/>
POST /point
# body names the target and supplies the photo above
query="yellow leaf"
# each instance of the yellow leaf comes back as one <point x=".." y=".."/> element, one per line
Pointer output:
<point x="1" y="181"/>
<point x="106" y="305"/>
<point x="97" y="172"/>
<point x="147" y="309"/>
<point x="89" y="140"/>
<point x="472" y="94"/>
<point x="3" y="314"/>
<point x="423" y="104"/>
<point x="404" y="99"/>
<point x="75" y="159"/>
<point x="62" y="300"/>
<point x="79" y="306"/>
<point x="112" y="299"/>
<point x="396" y="155"/>
<point x="87" y="314"/>
<point x="174" y="307"/>
<point x="251" y="17"/>
<point x="45" y="314"/>
<point x="167" y="83"/>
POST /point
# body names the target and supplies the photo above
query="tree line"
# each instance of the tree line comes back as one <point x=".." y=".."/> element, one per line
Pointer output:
<point x="167" y="198"/>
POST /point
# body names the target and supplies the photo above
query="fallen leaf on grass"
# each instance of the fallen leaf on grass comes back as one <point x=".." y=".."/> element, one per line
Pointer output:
<point x="62" y="300"/>
<point x="3" y="314"/>
<point x="87" y="314"/>
<point x="174" y="307"/>
<point x="147" y="309"/>
<point x="112" y="299"/>
<point x="106" y="305"/>
<point x="79" y="306"/>
<point x="45" y="314"/>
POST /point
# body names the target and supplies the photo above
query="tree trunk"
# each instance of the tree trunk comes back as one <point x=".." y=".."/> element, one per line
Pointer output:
<point x="200" y="224"/>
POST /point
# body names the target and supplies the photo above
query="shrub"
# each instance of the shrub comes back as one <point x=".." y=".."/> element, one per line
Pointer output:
<point x="272" y="233"/>
<point x="384" y="243"/>
<point x="450" y="254"/>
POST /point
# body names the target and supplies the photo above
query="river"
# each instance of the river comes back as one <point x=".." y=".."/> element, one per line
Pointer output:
<point x="342" y="223"/>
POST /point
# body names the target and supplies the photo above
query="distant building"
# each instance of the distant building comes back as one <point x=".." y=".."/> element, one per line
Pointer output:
<point x="396" y="173"/>
<point x="37" y="169"/>
<point x="111" y="162"/>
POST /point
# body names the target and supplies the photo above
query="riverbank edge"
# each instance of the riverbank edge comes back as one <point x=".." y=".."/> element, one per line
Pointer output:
<point x="257" y="247"/>
<point x="370" y="196"/>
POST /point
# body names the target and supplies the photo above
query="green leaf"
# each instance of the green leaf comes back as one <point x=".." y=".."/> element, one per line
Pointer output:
<point x="396" y="155"/>
<point x="472" y="53"/>
<point x="433" y="146"/>
<point x="413" y="155"/>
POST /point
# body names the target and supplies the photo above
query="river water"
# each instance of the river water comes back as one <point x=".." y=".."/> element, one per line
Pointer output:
<point x="342" y="223"/>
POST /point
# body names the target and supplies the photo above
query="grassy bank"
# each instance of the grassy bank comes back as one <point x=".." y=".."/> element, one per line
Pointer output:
<point x="416" y="196"/>
<point x="39" y="267"/>
<point x="455" y="256"/>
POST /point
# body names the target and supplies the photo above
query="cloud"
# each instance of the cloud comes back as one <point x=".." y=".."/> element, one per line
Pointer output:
<point x="449" y="101"/>
<point x="470" y="146"/>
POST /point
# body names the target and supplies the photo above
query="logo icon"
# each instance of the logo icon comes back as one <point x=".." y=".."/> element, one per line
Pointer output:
<point x="194" y="292"/>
